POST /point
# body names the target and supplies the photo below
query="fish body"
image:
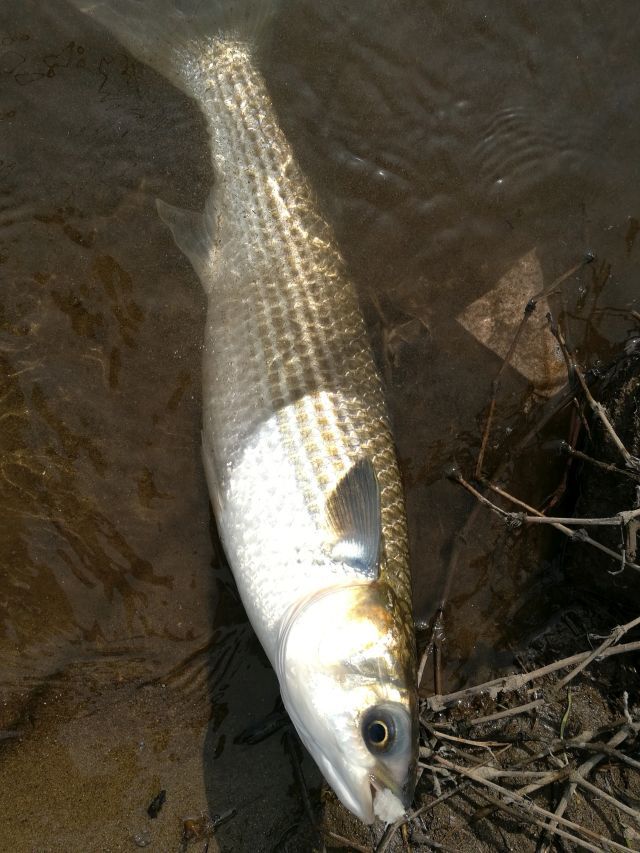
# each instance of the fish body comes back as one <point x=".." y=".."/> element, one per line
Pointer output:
<point x="297" y="447"/>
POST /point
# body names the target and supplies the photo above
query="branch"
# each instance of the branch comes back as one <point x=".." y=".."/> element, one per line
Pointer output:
<point x="583" y="770"/>
<point x="527" y="806"/>
<point x="515" y="519"/>
<point x="614" y="637"/>
<point x="629" y="460"/>
<point x="517" y="680"/>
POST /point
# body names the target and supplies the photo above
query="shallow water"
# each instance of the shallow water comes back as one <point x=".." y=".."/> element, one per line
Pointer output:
<point x="452" y="149"/>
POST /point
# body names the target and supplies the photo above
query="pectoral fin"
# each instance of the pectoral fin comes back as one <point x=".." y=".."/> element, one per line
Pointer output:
<point x="353" y="516"/>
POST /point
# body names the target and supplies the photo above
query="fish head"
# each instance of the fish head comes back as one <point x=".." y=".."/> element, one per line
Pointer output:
<point x="346" y="665"/>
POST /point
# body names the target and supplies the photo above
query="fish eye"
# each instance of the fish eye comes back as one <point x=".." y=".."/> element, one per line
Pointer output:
<point x="378" y="730"/>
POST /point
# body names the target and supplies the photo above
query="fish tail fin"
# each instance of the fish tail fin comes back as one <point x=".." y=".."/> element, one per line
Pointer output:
<point x="172" y="35"/>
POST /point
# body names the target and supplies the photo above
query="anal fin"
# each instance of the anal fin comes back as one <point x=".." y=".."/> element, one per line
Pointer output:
<point x="213" y="481"/>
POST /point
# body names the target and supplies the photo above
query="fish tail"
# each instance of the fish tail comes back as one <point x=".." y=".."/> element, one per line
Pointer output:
<point x="174" y="35"/>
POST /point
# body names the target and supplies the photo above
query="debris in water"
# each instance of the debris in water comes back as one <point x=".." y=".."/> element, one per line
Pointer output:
<point x="196" y="829"/>
<point x="201" y="828"/>
<point x="156" y="804"/>
<point x="262" y="729"/>
<point x="142" y="839"/>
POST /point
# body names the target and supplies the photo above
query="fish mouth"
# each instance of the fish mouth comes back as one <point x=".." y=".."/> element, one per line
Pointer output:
<point x="356" y="794"/>
<point x="363" y="802"/>
<point x="391" y="799"/>
<point x="400" y="792"/>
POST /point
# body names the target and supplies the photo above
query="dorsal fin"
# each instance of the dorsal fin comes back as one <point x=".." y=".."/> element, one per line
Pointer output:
<point x="353" y="514"/>
<point x="193" y="233"/>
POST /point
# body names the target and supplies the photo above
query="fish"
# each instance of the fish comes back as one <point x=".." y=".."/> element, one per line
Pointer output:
<point x="296" y="439"/>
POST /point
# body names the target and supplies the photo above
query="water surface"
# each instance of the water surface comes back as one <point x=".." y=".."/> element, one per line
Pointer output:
<point x="455" y="150"/>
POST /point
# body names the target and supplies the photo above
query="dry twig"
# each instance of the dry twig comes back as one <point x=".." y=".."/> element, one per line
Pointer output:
<point x="517" y="680"/>
<point x="629" y="460"/>
<point x="510" y="712"/>
<point x="516" y="519"/>
<point x="528" y="807"/>
<point x="583" y="770"/>
<point x="605" y="466"/>
<point x="614" y="637"/>
<point x="347" y="842"/>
